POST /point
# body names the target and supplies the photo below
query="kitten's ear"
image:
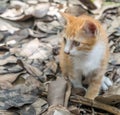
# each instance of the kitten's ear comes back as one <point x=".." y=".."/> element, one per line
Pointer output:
<point x="90" y="28"/>
<point x="66" y="18"/>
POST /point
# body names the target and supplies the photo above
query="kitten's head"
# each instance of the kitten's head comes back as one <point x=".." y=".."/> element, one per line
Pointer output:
<point x="80" y="33"/>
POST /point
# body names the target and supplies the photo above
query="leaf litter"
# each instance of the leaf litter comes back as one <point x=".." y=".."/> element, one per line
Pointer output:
<point x="30" y="79"/>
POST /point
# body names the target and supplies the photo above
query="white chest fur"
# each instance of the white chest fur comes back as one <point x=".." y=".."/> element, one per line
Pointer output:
<point x="89" y="61"/>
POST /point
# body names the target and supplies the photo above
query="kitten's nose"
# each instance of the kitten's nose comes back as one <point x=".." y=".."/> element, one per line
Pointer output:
<point x="67" y="52"/>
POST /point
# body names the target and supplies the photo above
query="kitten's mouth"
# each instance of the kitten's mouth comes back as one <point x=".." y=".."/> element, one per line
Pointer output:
<point x="70" y="54"/>
<point x="67" y="53"/>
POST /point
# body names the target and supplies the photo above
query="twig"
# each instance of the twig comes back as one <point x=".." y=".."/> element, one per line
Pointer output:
<point x="89" y="4"/>
<point x="67" y="94"/>
<point x="95" y="104"/>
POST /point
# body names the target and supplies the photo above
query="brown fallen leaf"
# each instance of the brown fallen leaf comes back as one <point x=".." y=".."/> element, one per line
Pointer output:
<point x="52" y="66"/>
<point x="29" y="68"/>
<point x="5" y="85"/>
<point x="115" y="58"/>
<point x="30" y="48"/>
<point x="21" y="11"/>
<point x="40" y="106"/>
<point x="18" y="4"/>
<point x="32" y="82"/>
<point x="113" y="25"/>
<point x="1" y="36"/>
<point x="17" y="36"/>
<point x="11" y="13"/>
<point x="39" y="10"/>
<point x="58" y="111"/>
<point x="58" y="97"/>
<point x="31" y="2"/>
<point x="21" y="18"/>
<point x="27" y="110"/>
<point x="74" y="110"/>
<point x="37" y="34"/>
<point x="6" y="80"/>
<point x="36" y="50"/>
<point x="16" y="12"/>
<point x="14" y="98"/>
<point x="7" y="26"/>
<point x="95" y="104"/>
<point x="5" y="112"/>
<point x="3" y="50"/>
<point x="76" y="10"/>
<point x="89" y="4"/>
<point x="10" y="59"/>
<point x="28" y="88"/>
<point x="53" y="40"/>
<point x="9" y="77"/>
<point x="50" y="28"/>
<point x="112" y="96"/>
<point x="98" y="3"/>
<point x="29" y="85"/>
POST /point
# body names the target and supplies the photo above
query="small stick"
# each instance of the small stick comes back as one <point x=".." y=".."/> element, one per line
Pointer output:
<point x="95" y="104"/>
<point x="67" y="94"/>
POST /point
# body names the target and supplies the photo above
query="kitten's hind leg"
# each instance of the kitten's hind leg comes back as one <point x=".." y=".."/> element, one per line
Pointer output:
<point x="106" y="83"/>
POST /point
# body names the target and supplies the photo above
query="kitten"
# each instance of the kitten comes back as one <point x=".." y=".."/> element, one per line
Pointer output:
<point x="84" y="52"/>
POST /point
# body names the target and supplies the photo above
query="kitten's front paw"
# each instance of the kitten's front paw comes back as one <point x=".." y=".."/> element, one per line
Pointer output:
<point x="79" y="91"/>
<point x="106" y="83"/>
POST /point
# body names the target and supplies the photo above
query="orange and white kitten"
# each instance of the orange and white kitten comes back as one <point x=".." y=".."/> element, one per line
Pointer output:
<point x="85" y="52"/>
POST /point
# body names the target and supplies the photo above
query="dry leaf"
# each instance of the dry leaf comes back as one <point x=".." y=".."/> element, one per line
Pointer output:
<point x="9" y="77"/>
<point x="36" y="50"/>
<point x="115" y="58"/>
<point x="37" y="34"/>
<point x="5" y="85"/>
<point x="112" y="96"/>
<point x="30" y="69"/>
<point x="11" y="13"/>
<point x="52" y="66"/>
<point x="40" y="106"/>
<point x="1" y="36"/>
<point x="4" y="112"/>
<point x="30" y="48"/>
<point x="28" y="88"/>
<point x="51" y="28"/>
<point x="14" y="98"/>
<point x="7" y="26"/>
<point x="29" y="110"/>
<point x="17" y="36"/>
<point x="76" y="10"/>
<point x="41" y="10"/>
<point x="16" y="12"/>
<point x="60" y="95"/>
<point x="6" y="80"/>
<point x="74" y="110"/>
<point x="89" y="4"/>
<point x="10" y="59"/>
<point x="18" y="4"/>
<point x="43" y="52"/>
<point x="98" y="3"/>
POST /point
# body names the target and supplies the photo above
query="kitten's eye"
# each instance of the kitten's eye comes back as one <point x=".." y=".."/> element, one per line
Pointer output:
<point x="76" y="43"/>
<point x="64" y="40"/>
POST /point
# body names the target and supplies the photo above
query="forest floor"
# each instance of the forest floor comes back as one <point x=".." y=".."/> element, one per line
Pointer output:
<point x="30" y="76"/>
